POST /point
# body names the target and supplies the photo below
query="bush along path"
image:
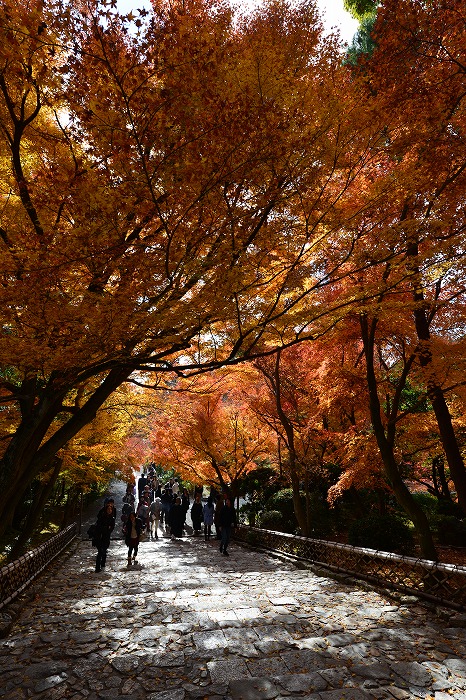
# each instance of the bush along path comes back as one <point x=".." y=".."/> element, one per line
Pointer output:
<point x="189" y="623"/>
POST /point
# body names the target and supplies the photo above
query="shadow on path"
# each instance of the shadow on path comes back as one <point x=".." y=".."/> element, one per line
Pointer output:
<point x="189" y="623"/>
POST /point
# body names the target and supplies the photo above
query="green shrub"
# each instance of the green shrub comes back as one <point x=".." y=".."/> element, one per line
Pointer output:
<point x="273" y="520"/>
<point x="249" y="512"/>
<point x="386" y="533"/>
<point x="282" y="501"/>
<point x="446" y="507"/>
<point x="428" y="503"/>
<point x="451" y="531"/>
<point x="435" y="508"/>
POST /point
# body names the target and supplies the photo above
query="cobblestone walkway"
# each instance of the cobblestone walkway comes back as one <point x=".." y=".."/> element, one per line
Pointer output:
<point x="190" y="623"/>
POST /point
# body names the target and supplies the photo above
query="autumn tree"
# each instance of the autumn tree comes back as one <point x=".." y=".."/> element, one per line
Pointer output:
<point x="165" y="181"/>
<point x="288" y="399"/>
<point x="417" y="74"/>
<point x="205" y="432"/>
<point x="360" y="411"/>
<point x="103" y="449"/>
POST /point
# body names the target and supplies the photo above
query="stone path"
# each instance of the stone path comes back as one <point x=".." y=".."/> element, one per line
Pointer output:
<point x="189" y="623"/>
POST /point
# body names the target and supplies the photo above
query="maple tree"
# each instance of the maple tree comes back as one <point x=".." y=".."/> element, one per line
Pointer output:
<point x="413" y="226"/>
<point x="171" y="185"/>
<point x="107" y="445"/>
<point x="193" y="188"/>
<point x="417" y="73"/>
<point x="103" y="449"/>
<point x="384" y="420"/>
<point x="289" y="404"/>
<point x="205" y="432"/>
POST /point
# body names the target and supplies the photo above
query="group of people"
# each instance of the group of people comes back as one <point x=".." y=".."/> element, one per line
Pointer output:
<point x="162" y="507"/>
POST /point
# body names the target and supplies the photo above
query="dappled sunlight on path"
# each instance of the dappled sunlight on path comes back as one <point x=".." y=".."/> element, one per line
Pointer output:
<point x="187" y="622"/>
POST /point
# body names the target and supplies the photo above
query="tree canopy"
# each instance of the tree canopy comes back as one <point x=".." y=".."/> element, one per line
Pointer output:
<point x="189" y="188"/>
<point x="166" y="193"/>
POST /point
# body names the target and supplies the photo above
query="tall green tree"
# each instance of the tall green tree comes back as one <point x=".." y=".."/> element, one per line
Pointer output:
<point x="360" y="8"/>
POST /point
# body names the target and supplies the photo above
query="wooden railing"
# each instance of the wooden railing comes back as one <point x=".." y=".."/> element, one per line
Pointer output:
<point x="15" y="577"/>
<point x="440" y="583"/>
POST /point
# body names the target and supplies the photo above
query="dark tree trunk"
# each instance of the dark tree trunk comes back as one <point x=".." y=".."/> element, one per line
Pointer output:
<point x="307" y="495"/>
<point x="27" y="455"/>
<point x="392" y="473"/>
<point x="299" y="510"/>
<point x="434" y="390"/>
<point x="442" y="414"/>
<point x="273" y="378"/>
<point x="440" y="480"/>
<point x="35" y="512"/>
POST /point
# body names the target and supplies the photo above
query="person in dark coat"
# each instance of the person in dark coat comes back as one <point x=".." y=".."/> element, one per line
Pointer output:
<point x="111" y="500"/>
<point x="227" y="520"/>
<point x="197" y="514"/>
<point x="218" y="508"/>
<point x="142" y="481"/>
<point x="129" y="496"/>
<point x="185" y="505"/>
<point x="167" y="502"/>
<point x="125" y="511"/>
<point x="103" y="529"/>
<point x="209" y="511"/>
<point x="133" y="528"/>
<point x="177" y="516"/>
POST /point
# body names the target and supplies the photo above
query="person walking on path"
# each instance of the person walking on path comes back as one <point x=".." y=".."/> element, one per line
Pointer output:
<point x="148" y="493"/>
<point x="133" y="529"/>
<point x="108" y="500"/>
<point x="177" y="519"/>
<point x="103" y="529"/>
<point x="142" y="481"/>
<point x="209" y="510"/>
<point x="185" y="504"/>
<point x="227" y="520"/>
<point x="142" y="513"/>
<point x="197" y="514"/>
<point x="218" y="507"/>
<point x="155" y="510"/>
<point x="166" y="500"/>
<point x="125" y="511"/>
<point x="129" y="496"/>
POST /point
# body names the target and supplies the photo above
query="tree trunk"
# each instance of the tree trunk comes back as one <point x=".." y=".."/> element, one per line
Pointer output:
<point x="275" y="384"/>
<point x="35" y="512"/>
<point x="25" y="456"/>
<point x="438" y="475"/>
<point x="299" y="510"/>
<point x="434" y="390"/>
<point x="404" y="497"/>
<point x="16" y="472"/>
<point x="392" y="473"/>
<point x="307" y="495"/>
<point x="442" y="414"/>
<point x="71" y="496"/>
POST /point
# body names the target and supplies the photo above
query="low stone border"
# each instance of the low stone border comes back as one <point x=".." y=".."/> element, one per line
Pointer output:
<point x="19" y="574"/>
<point x="444" y="584"/>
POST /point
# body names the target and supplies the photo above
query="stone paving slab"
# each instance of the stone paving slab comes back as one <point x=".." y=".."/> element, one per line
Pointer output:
<point x="188" y="623"/>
